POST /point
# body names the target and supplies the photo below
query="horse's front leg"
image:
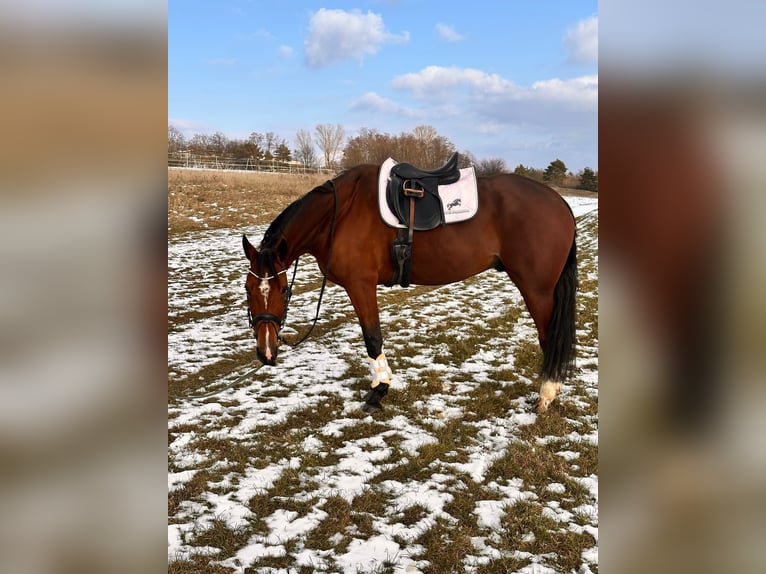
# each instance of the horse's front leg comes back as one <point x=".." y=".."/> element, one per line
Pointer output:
<point x="379" y="369"/>
<point x="364" y="298"/>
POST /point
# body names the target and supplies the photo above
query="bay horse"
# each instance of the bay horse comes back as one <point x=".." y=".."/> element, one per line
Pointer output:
<point x="522" y="227"/>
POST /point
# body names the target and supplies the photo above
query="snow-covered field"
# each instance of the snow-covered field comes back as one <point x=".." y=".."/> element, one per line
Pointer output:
<point x="284" y="473"/>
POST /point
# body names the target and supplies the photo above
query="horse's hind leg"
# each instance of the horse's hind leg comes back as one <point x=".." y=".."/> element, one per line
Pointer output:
<point x="540" y="306"/>
<point x="550" y="300"/>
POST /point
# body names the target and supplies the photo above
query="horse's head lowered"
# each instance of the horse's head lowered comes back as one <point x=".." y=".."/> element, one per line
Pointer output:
<point x="268" y="293"/>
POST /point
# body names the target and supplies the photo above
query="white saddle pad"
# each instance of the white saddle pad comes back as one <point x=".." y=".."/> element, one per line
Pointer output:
<point x="460" y="199"/>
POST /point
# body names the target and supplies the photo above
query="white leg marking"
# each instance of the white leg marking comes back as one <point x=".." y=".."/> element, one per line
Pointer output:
<point x="548" y="392"/>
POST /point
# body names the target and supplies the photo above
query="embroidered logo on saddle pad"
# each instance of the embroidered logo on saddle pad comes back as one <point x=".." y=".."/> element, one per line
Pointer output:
<point x="459" y="200"/>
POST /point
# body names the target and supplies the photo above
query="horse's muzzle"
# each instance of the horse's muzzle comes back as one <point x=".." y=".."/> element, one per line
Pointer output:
<point x="269" y="359"/>
<point x="266" y="331"/>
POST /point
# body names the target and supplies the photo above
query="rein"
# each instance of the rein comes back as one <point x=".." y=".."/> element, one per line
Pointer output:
<point x="269" y="317"/>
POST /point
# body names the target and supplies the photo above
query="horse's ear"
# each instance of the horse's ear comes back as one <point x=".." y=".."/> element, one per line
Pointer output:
<point x="282" y="250"/>
<point x="250" y="251"/>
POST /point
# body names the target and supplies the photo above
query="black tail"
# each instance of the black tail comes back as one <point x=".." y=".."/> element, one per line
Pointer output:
<point x="559" y="348"/>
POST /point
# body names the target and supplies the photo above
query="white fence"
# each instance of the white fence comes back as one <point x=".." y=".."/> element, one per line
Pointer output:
<point x="194" y="161"/>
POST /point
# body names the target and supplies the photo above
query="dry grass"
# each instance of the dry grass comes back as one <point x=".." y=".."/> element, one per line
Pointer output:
<point x="202" y="199"/>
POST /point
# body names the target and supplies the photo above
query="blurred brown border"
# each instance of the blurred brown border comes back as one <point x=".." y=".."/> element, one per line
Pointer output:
<point x="83" y="203"/>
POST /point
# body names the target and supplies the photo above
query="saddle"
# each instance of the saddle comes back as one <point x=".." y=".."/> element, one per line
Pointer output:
<point x="412" y="195"/>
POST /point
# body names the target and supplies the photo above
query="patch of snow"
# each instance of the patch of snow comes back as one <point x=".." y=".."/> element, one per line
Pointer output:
<point x="489" y="512"/>
<point x="366" y="555"/>
<point x="177" y="479"/>
<point x="556" y="487"/>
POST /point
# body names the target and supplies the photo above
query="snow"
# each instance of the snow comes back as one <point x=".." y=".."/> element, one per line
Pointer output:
<point x="208" y="324"/>
<point x="489" y="513"/>
<point x="366" y="554"/>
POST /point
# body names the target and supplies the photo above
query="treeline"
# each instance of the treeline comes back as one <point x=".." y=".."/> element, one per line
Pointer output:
<point x="329" y="148"/>
<point x="557" y="174"/>
<point x="258" y="146"/>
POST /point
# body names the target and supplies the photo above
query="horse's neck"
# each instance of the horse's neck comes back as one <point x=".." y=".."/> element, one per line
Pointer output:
<point x="308" y="231"/>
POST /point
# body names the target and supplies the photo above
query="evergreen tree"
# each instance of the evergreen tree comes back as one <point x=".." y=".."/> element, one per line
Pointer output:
<point x="521" y="170"/>
<point x="555" y="172"/>
<point x="588" y="180"/>
<point x="282" y="153"/>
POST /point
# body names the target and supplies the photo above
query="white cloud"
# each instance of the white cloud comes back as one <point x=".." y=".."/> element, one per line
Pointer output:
<point x="337" y="35"/>
<point x="372" y="102"/>
<point x="190" y="127"/>
<point x="580" y="93"/>
<point x="447" y="33"/>
<point x="376" y="104"/>
<point x="434" y="81"/>
<point x="286" y="51"/>
<point x="581" y="41"/>
<point x="262" y="34"/>
<point x="547" y="103"/>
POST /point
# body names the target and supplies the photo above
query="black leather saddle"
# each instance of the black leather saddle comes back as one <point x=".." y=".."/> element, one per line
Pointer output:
<point x="412" y="195"/>
<point x="411" y="188"/>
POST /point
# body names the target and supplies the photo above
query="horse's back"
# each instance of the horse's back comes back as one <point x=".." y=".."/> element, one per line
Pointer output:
<point x="513" y="201"/>
<point x="524" y="191"/>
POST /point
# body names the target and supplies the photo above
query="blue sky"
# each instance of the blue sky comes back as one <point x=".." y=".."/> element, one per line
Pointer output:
<point x="516" y="80"/>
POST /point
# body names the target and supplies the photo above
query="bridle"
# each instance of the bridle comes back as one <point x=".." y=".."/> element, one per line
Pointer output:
<point x="255" y="321"/>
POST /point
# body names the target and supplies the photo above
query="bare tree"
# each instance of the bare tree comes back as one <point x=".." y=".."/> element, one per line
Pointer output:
<point x="466" y="159"/>
<point x="270" y="143"/>
<point x="423" y="147"/>
<point x="176" y="140"/>
<point x="491" y="166"/>
<point x="199" y="144"/>
<point x="426" y="138"/>
<point x="217" y="143"/>
<point x="256" y="138"/>
<point x="330" y="139"/>
<point x="304" y="149"/>
<point x="369" y="146"/>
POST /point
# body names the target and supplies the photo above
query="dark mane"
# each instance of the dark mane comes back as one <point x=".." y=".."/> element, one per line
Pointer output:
<point x="277" y="227"/>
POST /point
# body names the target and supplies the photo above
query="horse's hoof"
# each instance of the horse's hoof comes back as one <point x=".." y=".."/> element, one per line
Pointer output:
<point x="373" y="397"/>
<point x="371" y="408"/>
